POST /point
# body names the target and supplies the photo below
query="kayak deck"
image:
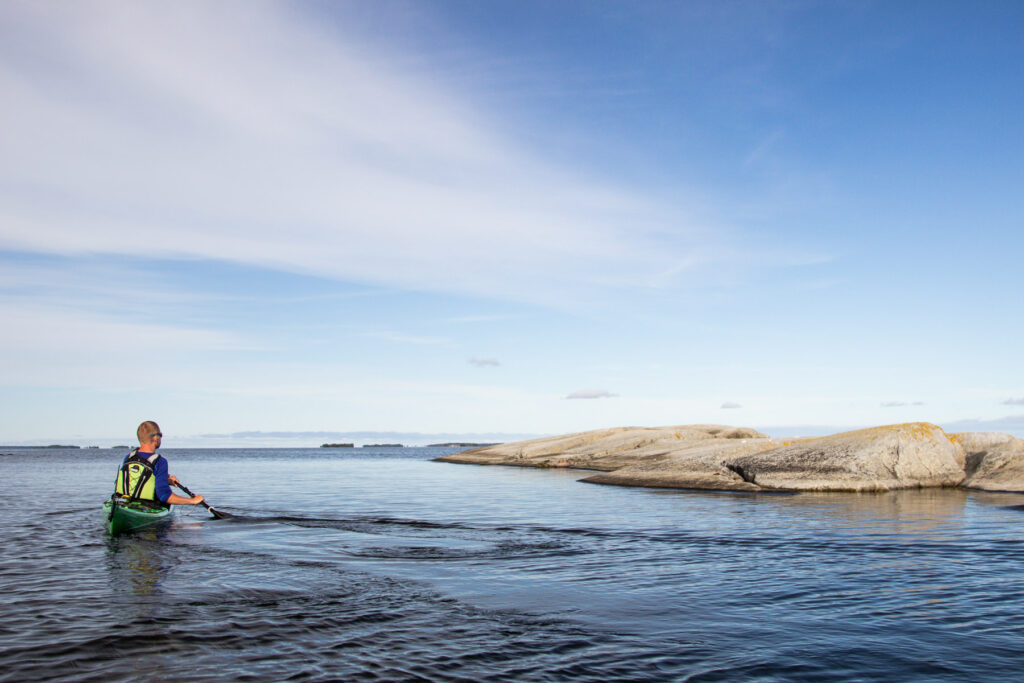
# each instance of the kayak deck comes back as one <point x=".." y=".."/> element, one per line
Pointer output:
<point x="131" y="516"/>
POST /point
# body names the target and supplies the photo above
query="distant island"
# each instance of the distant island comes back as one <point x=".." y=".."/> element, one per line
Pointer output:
<point x="337" y="445"/>
<point x="383" y="445"/>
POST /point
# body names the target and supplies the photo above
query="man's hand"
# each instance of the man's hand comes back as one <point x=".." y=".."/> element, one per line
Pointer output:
<point x="172" y="480"/>
<point x="197" y="499"/>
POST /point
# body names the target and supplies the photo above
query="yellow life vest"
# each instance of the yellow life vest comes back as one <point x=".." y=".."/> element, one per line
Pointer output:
<point x="135" y="480"/>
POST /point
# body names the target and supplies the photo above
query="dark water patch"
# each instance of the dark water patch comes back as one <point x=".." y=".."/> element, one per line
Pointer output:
<point x="572" y="531"/>
<point x="406" y="628"/>
<point x="358" y="523"/>
<point x="498" y="551"/>
<point x="58" y="513"/>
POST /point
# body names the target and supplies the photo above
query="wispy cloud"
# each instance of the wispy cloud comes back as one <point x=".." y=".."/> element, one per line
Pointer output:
<point x="52" y="346"/>
<point x="482" y="318"/>
<point x="484" y="362"/>
<point x="1014" y="402"/>
<point x="591" y="393"/>
<point x="730" y="405"/>
<point x="86" y="284"/>
<point x="36" y="330"/>
<point x="1013" y="424"/>
<point x="400" y="338"/>
<point x="900" y="404"/>
<point x="270" y="142"/>
<point x="764" y="148"/>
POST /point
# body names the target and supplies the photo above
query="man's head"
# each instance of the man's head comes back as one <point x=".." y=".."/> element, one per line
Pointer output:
<point x="149" y="433"/>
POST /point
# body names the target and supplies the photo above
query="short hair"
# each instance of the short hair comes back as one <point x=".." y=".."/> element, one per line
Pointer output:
<point x="145" y="430"/>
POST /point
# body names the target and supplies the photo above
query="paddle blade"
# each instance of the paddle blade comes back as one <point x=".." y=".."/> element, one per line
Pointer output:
<point x="216" y="513"/>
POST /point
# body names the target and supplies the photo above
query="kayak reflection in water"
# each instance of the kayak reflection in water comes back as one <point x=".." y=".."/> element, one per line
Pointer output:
<point x="143" y="476"/>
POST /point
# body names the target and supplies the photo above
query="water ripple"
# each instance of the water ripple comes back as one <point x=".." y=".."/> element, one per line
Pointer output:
<point x="420" y="571"/>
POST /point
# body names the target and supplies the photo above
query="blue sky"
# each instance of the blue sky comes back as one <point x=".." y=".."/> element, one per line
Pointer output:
<point x="496" y="219"/>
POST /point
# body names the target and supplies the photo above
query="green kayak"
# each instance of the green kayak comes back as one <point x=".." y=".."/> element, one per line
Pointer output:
<point x="130" y="516"/>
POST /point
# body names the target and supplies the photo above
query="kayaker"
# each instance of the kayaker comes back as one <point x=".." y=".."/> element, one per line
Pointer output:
<point x="143" y="475"/>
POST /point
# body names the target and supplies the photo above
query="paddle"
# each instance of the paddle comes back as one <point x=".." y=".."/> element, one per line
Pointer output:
<point x="216" y="513"/>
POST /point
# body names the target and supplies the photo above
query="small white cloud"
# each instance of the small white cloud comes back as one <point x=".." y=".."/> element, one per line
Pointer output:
<point x="1014" y="402"/>
<point x="591" y="393"/>
<point x="900" y="404"/>
<point x="485" y="362"/>
<point x="730" y="405"/>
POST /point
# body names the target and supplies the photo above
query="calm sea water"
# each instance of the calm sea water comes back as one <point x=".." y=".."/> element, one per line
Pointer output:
<point x="375" y="564"/>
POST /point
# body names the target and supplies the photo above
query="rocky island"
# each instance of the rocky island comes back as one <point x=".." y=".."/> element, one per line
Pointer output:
<point x="911" y="455"/>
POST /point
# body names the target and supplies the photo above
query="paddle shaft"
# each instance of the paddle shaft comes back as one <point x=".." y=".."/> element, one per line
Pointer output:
<point x="215" y="513"/>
